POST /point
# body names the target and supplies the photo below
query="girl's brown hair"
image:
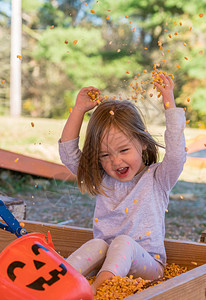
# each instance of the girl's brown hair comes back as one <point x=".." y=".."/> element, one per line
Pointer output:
<point x="124" y="116"/>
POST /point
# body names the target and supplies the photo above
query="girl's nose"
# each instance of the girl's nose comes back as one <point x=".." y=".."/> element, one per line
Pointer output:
<point x="116" y="160"/>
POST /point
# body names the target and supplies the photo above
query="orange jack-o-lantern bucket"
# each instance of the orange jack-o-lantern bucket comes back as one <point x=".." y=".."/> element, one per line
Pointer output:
<point x="30" y="269"/>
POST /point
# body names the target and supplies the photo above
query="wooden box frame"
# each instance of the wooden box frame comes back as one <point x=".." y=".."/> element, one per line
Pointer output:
<point x="188" y="286"/>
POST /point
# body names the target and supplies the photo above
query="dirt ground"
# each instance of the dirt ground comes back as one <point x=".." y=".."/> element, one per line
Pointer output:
<point x="61" y="202"/>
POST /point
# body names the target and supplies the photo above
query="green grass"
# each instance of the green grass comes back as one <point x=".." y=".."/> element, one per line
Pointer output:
<point x="41" y="141"/>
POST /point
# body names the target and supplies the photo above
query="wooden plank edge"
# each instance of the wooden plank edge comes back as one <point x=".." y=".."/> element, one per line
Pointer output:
<point x="68" y="238"/>
<point x="190" y="285"/>
<point x="34" y="166"/>
<point x="185" y="253"/>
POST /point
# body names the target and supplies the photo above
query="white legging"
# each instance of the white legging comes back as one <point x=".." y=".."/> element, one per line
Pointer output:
<point x="123" y="257"/>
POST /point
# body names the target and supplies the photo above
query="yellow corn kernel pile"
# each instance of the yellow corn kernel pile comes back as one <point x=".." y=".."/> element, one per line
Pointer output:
<point x="122" y="287"/>
<point x="119" y="287"/>
<point x="174" y="270"/>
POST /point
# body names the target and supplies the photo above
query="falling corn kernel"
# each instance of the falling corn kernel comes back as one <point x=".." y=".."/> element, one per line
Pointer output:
<point x="180" y="23"/>
<point x="75" y="42"/>
<point x="85" y="4"/>
<point x="178" y="66"/>
<point x="66" y="42"/>
<point x="188" y="121"/>
<point x="167" y="104"/>
<point x="201" y="15"/>
<point x="176" y="33"/>
<point x="135" y="201"/>
<point x="126" y="210"/>
<point x="148" y="233"/>
<point x="157" y="256"/>
<point x="92" y="11"/>
<point x="145" y="71"/>
<point x="181" y="197"/>
<point x="32" y="124"/>
<point x="194" y="263"/>
<point x="186" y="149"/>
<point x="96" y="220"/>
<point x="133" y="29"/>
<point x="19" y="57"/>
<point x="3" y="81"/>
<point x="175" y="23"/>
<point x="169" y="35"/>
<point x="51" y="27"/>
<point x="80" y="270"/>
<point x="166" y="210"/>
<point x="16" y="160"/>
<point x="151" y="95"/>
<point x="126" y="17"/>
<point x="22" y="224"/>
<point x="127" y="72"/>
<point x="185" y="58"/>
<point x="184" y="44"/>
<point x="111" y="112"/>
<point x="107" y="18"/>
<point x="188" y="99"/>
<point x="70" y="109"/>
<point x="190" y="28"/>
<point x="201" y="52"/>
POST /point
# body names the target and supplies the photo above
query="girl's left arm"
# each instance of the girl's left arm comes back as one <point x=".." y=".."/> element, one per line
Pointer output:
<point x="172" y="165"/>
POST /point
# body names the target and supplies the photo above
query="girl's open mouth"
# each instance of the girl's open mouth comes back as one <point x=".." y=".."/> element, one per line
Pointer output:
<point x="122" y="172"/>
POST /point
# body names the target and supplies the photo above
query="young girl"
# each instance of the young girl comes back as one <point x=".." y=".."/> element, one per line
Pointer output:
<point x="118" y="164"/>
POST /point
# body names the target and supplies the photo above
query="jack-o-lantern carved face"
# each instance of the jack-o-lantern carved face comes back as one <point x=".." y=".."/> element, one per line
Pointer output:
<point x="31" y="269"/>
<point x="39" y="282"/>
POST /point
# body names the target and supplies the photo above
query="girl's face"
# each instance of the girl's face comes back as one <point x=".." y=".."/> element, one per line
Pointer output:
<point x="121" y="156"/>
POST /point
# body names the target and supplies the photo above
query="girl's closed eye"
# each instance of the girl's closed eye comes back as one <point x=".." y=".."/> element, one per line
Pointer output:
<point x="104" y="155"/>
<point x="124" y="150"/>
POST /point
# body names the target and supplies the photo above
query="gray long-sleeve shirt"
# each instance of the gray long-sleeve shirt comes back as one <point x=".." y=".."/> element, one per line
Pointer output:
<point x="137" y="208"/>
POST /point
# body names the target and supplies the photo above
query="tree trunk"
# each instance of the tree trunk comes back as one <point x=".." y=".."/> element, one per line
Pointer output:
<point x="15" y="59"/>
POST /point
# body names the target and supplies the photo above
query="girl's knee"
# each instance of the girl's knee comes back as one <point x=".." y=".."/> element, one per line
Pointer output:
<point x="99" y="244"/>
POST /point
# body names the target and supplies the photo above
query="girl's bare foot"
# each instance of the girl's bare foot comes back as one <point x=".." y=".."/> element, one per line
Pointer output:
<point x="104" y="275"/>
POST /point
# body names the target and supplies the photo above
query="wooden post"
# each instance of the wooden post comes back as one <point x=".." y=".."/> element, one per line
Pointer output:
<point x="15" y="62"/>
<point x="203" y="237"/>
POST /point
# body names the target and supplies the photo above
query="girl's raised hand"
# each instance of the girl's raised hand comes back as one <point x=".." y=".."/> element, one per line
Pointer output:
<point x="167" y="91"/>
<point x="83" y="101"/>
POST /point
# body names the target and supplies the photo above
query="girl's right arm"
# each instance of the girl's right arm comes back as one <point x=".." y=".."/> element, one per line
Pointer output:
<point x="68" y="144"/>
<point x="83" y="104"/>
